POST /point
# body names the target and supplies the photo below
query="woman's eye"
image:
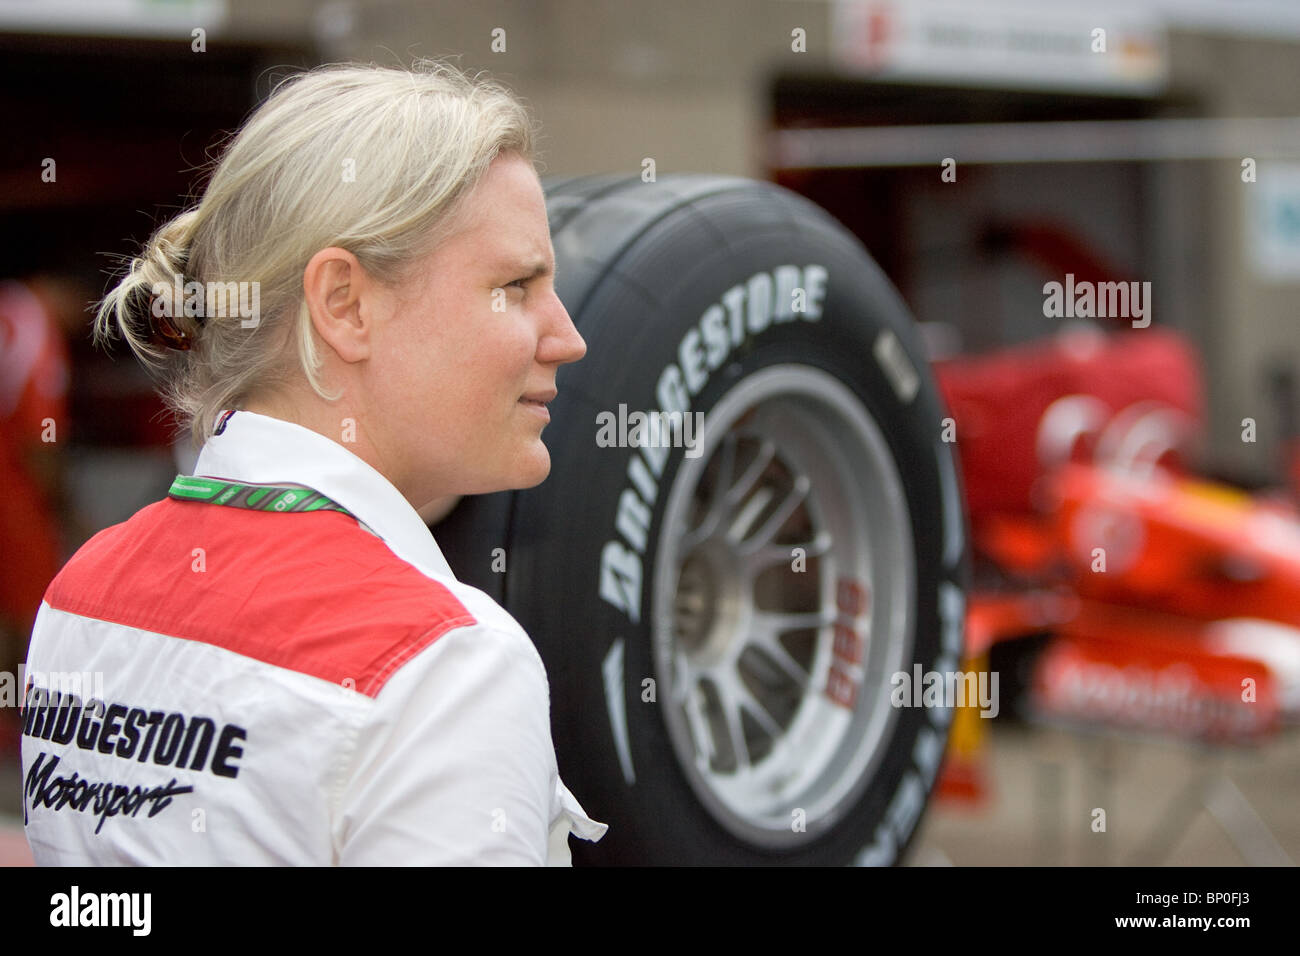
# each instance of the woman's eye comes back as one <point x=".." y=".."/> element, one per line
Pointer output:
<point x="519" y="283"/>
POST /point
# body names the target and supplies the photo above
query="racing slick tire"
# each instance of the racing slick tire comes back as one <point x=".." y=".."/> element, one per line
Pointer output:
<point x="723" y="599"/>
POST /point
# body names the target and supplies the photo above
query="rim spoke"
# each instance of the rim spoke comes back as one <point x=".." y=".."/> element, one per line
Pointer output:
<point x="716" y="507"/>
<point x="780" y="515"/>
<point x="699" y="725"/>
<point x="730" y="704"/>
<point x="778" y="622"/>
<point x="737" y="492"/>
<point x="755" y="708"/>
<point x="745" y="519"/>
<point x="683" y="680"/>
<point x="771" y="554"/>
<point x="771" y="647"/>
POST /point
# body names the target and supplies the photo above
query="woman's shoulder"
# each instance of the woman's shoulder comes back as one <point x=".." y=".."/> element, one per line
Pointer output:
<point x="494" y="628"/>
<point x="314" y="593"/>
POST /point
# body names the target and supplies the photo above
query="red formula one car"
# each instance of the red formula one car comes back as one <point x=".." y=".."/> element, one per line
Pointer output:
<point x="1161" y="602"/>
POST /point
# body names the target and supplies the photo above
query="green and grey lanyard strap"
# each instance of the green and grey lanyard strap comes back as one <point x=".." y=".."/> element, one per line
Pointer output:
<point x="218" y="491"/>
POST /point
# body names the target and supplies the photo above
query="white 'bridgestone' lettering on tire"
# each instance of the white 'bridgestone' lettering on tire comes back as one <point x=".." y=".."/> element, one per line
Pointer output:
<point x="786" y="293"/>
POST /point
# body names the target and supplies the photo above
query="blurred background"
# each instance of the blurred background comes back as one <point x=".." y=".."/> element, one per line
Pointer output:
<point x="979" y="150"/>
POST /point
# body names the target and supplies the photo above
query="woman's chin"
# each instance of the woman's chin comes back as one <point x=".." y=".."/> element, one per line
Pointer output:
<point x="527" y="470"/>
<point x="535" y="469"/>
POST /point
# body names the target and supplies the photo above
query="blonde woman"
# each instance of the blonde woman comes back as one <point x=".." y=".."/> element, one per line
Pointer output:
<point x="274" y="664"/>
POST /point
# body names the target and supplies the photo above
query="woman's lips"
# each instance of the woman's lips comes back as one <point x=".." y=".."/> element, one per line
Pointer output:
<point x="537" y="406"/>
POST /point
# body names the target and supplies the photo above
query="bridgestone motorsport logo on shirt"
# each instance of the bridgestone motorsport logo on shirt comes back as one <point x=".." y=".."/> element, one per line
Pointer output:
<point x="125" y="732"/>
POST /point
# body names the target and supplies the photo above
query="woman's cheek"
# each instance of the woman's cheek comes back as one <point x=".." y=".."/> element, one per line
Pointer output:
<point x="525" y="344"/>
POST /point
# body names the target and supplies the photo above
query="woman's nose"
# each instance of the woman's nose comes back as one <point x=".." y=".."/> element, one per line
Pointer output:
<point x="561" y="344"/>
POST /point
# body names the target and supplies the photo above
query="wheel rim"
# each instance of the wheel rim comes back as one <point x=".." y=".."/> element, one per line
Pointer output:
<point x="747" y="644"/>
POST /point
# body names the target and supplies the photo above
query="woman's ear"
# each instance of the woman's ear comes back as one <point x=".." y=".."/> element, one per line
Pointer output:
<point x="334" y="285"/>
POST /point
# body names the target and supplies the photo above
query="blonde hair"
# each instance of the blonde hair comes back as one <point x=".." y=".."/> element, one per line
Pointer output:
<point x="372" y="159"/>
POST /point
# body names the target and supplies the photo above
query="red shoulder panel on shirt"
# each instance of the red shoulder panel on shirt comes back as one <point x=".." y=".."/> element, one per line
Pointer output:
<point x="311" y="592"/>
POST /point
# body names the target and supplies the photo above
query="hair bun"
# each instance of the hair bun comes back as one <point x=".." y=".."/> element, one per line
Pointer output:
<point x="164" y="264"/>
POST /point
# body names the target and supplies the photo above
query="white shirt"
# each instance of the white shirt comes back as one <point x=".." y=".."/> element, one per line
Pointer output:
<point x="328" y="691"/>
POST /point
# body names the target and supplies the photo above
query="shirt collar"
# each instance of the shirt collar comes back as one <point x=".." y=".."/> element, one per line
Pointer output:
<point x="260" y="449"/>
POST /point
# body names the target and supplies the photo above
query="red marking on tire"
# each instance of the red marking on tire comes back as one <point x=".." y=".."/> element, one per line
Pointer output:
<point x="846" y="646"/>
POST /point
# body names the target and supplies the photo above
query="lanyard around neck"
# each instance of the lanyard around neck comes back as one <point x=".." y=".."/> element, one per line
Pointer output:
<point x="218" y="491"/>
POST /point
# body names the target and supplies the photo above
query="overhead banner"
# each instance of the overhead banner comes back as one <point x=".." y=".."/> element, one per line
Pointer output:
<point x="1002" y="44"/>
<point x="162" y="18"/>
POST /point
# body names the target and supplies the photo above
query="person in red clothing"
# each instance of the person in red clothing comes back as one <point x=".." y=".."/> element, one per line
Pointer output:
<point x="33" y="422"/>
